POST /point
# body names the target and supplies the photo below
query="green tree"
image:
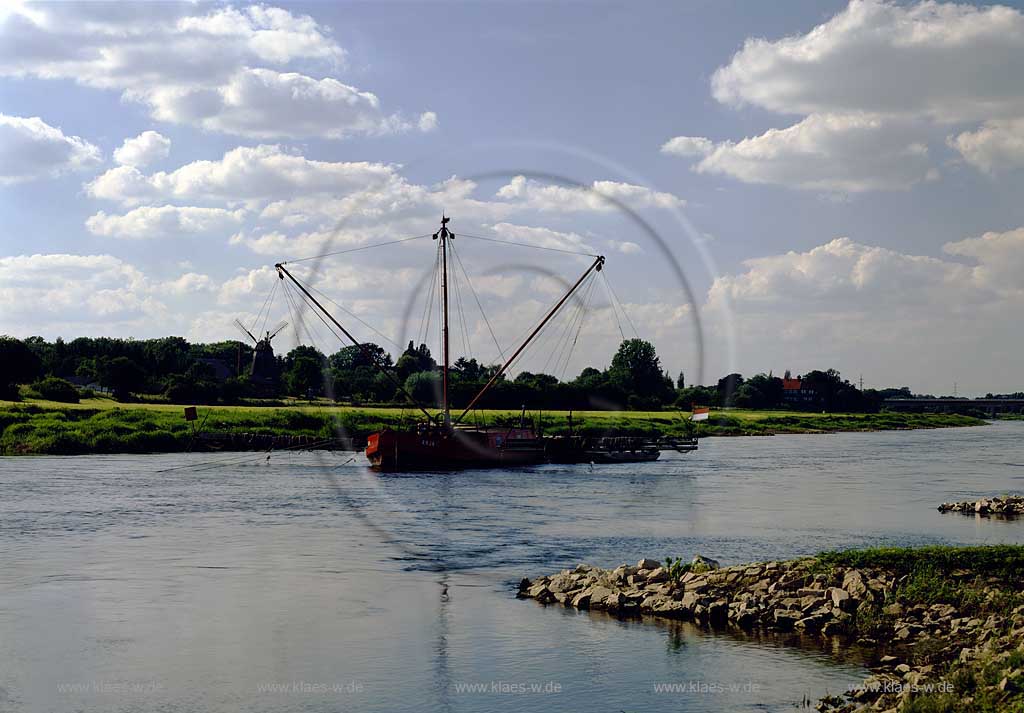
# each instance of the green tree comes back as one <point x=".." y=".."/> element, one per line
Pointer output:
<point x="304" y="376"/>
<point x="728" y="388"/>
<point x="637" y="370"/>
<point x="425" y="387"/>
<point x="20" y="366"/>
<point x="123" y="376"/>
<point x="414" y="359"/>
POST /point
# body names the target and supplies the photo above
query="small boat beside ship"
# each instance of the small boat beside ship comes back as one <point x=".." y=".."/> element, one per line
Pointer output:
<point x="446" y="442"/>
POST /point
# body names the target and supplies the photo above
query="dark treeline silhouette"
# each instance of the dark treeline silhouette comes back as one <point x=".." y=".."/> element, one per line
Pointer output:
<point x="177" y="371"/>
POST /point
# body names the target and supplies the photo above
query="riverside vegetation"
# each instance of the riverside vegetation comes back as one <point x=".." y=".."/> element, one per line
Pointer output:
<point x="104" y="426"/>
<point x="946" y="624"/>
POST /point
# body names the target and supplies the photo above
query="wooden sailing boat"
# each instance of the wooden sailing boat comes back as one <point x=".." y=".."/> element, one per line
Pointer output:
<point x="444" y="442"/>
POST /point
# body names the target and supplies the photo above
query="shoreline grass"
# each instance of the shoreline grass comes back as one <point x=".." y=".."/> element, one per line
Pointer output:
<point x="101" y="425"/>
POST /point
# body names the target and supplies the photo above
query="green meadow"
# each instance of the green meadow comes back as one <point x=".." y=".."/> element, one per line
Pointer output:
<point x="104" y="426"/>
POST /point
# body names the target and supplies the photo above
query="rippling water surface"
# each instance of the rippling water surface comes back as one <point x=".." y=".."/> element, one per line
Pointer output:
<point x="306" y="583"/>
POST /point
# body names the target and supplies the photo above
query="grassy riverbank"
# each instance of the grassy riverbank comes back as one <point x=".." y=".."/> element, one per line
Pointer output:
<point x="105" y="426"/>
<point x="946" y="624"/>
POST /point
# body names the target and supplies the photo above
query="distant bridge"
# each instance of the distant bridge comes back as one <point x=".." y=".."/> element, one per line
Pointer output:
<point x="992" y="407"/>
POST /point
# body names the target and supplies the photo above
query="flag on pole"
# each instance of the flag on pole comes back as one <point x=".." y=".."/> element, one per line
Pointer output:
<point x="700" y="413"/>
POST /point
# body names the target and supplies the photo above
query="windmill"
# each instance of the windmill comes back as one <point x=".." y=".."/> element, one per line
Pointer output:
<point x="264" y="373"/>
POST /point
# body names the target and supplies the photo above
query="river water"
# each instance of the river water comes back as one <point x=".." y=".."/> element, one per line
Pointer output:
<point x="307" y="583"/>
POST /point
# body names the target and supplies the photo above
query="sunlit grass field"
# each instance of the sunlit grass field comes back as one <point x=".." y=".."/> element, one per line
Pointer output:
<point x="101" y="425"/>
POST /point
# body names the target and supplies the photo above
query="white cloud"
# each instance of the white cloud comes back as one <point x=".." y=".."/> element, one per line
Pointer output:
<point x="850" y="153"/>
<point x="995" y="147"/>
<point x="688" y="146"/>
<point x="89" y="291"/>
<point x="843" y="275"/>
<point x="149" y="222"/>
<point x="600" y="196"/>
<point x="144" y="149"/>
<point x="188" y="283"/>
<point x="244" y="174"/>
<point x="898" y="318"/>
<point x="221" y="69"/>
<point x="950" y="62"/>
<point x="264" y="103"/>
<point x="31" y="149"/>
<point x="427" y="121"/>
<point x="876" y="83"/>
<point x="541" y="237"/>
<point x="628" y="248"/>
<point x="999" y="257"/>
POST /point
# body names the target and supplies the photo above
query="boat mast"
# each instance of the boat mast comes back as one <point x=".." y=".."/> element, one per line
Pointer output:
<point x="444" y="235"/>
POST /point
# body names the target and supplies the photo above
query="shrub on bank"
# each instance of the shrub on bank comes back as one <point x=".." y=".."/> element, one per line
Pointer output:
<point x="54" y="388"/>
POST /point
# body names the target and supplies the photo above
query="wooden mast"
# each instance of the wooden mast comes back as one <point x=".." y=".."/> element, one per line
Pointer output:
<point x="443" y="235"/>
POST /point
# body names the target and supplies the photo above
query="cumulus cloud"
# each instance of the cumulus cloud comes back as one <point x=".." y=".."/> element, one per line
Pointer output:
<point x="951" y="62"/>
<point x="31" y="149"/>
<point x="600" y="196"/>
<point x="999" y="258"/>
<point x="188" y="283"/>
<point x="995" y="147"/>
<point x="541" y="237"/>
<point x="264" y="103"/>
<point x="843" y="274"/>
<point x="915" y="319"/>
<point x="875" y="83"/>
<point x="220" y="69"/>
<point x="246" y="173"/>
<point x="148" y="222"/>
<point x="828" y="153"/>
<point x="688" y="146"/>
<point x="144" y="149"/>
<point x="36" y="290"/>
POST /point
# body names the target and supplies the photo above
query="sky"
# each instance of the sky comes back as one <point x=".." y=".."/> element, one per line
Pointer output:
<point x="776" y="186"/>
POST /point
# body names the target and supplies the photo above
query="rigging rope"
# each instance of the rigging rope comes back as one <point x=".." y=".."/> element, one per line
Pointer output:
<point x="354" y="316"/>
<point x="469" y="282"/>
<point x="525" y="245"/>
<point x="352" y="250"/>
<point x="579" y="328"/>
<point x="616" y="299"/>
<point x="265" y="305"/>
<point x="428" y="305"/>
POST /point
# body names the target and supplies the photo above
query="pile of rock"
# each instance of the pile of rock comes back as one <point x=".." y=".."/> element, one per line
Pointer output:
<point x="801" y="595"/>
<point x="1007" y="505"/>
<point x="773" y="595"/>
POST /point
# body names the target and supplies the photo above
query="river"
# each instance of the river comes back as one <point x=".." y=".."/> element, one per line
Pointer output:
<point x="307" y="583"/>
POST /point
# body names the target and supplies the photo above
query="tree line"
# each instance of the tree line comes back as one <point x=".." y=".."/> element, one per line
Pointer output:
<point x="177" y="371"/>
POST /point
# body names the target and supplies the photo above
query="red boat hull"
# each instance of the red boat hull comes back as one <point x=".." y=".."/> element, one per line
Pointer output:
<point x="438" y="448"/>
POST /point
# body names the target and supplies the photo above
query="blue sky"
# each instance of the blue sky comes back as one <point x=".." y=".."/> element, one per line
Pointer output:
<point x="838" y="182"/>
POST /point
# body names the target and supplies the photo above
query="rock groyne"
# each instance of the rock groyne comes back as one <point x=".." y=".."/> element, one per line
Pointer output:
<point x="930" y="623"/>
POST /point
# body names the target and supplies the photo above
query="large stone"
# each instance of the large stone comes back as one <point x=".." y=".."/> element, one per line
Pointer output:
<point x="786" y="619"/>
<point x="812" y="623"/>
<point x="614" y="601"/>
<point x="598" y="595"/>
<point x="690" y="599"/>
<point x="718" y="611"/>
<point x="582" y="600"/>
<point x="854" y="584"/>
<point x="646" y="563"/>
<point x="659" y="574"/>
<point x="561" y="583"/>
<point x="541" y="593"/>
<point x="672" y="609"/>
<point x="702" y="562"/>
<point x="840" y="598"/>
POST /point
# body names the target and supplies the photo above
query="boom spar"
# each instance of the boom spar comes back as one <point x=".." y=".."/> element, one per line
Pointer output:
<point x="596" y="265"/>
